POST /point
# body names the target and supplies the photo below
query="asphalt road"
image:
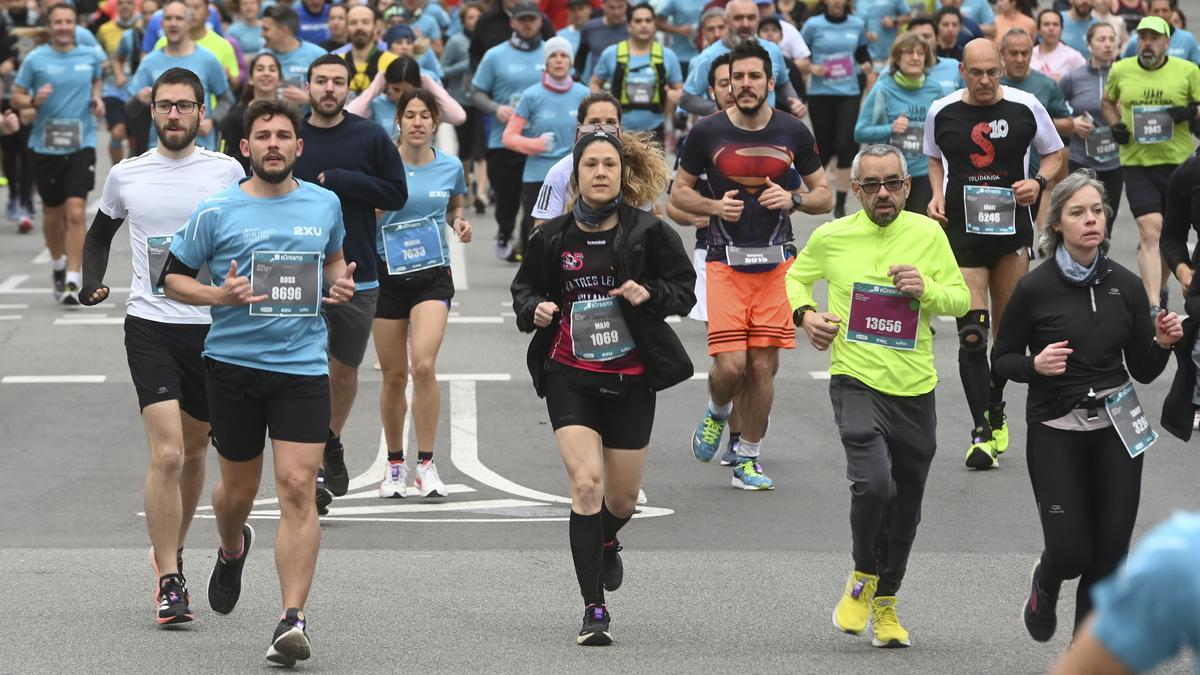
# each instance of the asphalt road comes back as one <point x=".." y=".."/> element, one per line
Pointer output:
<point x="716" y="579"/>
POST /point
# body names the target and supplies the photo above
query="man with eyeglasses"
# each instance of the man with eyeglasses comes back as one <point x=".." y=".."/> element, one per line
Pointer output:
<point x="181" y="51"/>
<point x="888" y="272"/>
<point x="978" y="140"/>
<point x="155" y="192"/>
<point x="354" y="158"/>
<point x="747" y="152"/>
<point x="1149" y="102"/>
<point x="62" y="82"/>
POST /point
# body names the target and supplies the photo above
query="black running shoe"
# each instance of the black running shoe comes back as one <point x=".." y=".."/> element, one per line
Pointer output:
<point x="614" y="571"/>
<point x="595" y="627"/>
<point x="1040" y="618"/>
<point x="225" y="584"/>
<point x="337" y="477"/>
<point x="172" y="601"/>
<point x="324" y="496"/>
<point x="290" y="642"/>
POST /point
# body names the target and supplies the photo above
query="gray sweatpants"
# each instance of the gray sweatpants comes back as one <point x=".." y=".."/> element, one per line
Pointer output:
<point x="890" y="442"/>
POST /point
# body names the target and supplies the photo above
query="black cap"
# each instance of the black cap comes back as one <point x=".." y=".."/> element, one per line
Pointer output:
<point x="524" y="8"/>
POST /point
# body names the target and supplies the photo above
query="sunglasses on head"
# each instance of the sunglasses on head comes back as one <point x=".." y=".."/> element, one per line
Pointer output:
<point x="585" y="129"/>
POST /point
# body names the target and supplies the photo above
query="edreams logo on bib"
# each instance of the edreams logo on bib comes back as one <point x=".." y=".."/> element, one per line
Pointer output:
<point x="288" y="257"/>
<point x="307" y="231"/>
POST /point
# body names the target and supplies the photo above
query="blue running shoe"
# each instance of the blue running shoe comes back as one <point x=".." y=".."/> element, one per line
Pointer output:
<point x="707" y="439"/>
<point x="731" y="449"/>
<point x="748" y="475"/>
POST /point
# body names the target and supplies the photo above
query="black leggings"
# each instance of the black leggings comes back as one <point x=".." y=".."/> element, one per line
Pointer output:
<point x="504" y="169"/>
<point x="18" y="165"/>
<point x="472" y="138"/>
<point x="1114" y="184"/>
<point x="1087" y="490"/>
<point x="919" y="196"/>
<point x="833" y="119"/>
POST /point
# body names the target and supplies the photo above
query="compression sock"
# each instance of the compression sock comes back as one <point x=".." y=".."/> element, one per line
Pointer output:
<point x="396" y="457"/>
<point x="612" y="524"/>
<point x="425" y="457"/>
<point x="587" y="550"/>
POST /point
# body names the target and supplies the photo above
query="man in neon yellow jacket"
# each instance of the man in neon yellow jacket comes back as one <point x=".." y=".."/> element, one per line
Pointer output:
<point x="888" y="271"/>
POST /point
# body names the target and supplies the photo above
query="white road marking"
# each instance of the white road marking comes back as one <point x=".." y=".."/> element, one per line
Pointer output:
<point x="391" y="506"/>
<point x="11" y="307"/>
<point x="90" y="321"/>
<point x="699" y="376"/>
<point x="819" y="374"/>
<point x="475" y="319"/>
<point x="458" y="267"/>
<point x="10" y="317"/>
<point x="42" y="258"/>
<point x="13" y="281"/>
<point x="642" y="512"/>
<point x="464" y="447"/>
<point x="474" y="377"/>
<point x="53" y="379"/>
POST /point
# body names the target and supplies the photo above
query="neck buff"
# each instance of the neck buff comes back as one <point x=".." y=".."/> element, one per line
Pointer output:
<point x="556" y="85"/>
<point x="594" y="216"/>
<point x="524" y="45"/>
<point x="907" y="82"/>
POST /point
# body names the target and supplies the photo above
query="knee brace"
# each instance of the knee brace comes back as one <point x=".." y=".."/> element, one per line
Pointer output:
<point x="973" y="329"/>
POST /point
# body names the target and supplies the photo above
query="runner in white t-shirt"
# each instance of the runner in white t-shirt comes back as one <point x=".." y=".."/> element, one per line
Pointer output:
<point x="156" y="192"/>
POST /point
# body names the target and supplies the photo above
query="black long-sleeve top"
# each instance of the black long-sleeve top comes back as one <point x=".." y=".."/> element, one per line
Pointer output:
<point x="1183" y="215"/>
<point x="1107" y="323"/>
<point x="364" y="169"/>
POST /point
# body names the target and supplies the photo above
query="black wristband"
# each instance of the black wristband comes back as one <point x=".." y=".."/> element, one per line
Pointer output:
<point x="798" y="314"/>
<point x="1041" y="181"/>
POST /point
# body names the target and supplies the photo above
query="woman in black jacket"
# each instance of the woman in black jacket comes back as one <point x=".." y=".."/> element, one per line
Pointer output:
<point x="596" y="284"/>
<point x="1082" y="318"/>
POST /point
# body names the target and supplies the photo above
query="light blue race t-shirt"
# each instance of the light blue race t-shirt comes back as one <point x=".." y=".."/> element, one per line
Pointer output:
<point x="555" y="112"/>
<point x="503" y="74"/>
<point x="232" y="225"/>
<point x="1182" y="46"/>
<point x="682" y="13"/>
<point x="64" y="123"/>
<point x="979" y="11"/>
<point x="430" y="188"/>
<point x="202" y="63"/>
<point x="383" y="112"/>
<point x="249" y="38"/>
<point x="1146" y="611"/>
<point x="1074" y="33"/>
<point x="833" y="46"/>
<point x="873" y="11"/>
<point x="640" y="72"/>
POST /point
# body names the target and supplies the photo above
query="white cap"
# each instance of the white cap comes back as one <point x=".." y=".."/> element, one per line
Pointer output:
<point x="557" y="44"/>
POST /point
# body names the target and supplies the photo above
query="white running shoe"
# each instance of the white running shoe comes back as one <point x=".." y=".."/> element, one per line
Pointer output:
<point x="429" y="484"/>
<point x="394" y="477"/>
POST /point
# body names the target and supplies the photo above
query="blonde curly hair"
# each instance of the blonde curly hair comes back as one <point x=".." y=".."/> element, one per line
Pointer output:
<point x="644" y="171"/>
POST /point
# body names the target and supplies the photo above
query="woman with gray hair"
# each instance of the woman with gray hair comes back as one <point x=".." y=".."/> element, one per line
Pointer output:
<point x="1073" y="327"/>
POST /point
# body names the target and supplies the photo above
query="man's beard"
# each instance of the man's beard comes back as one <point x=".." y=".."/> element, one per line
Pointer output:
<point x="177" y="145"/>
<point x="750" y="110"/>
<point x="316" y="106"/>
<point x="274" y="177"/>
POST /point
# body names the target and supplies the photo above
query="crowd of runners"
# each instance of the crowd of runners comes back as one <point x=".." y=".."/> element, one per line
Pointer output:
<point x="288" y="198"/>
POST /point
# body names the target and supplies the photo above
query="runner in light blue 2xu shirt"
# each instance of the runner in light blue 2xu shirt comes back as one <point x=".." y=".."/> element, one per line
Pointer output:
<point x="62" y="82"/>
<point x="280" y="27"/>
<point x="415" y="288"/>
<point x="267" y="242"/>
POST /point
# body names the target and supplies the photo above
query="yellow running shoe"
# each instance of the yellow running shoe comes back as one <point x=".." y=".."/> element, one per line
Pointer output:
<point x="850" y="615"/>
<point x="888" y="631"/>
<point x="999" y="433"/>
<point x="982" y="453"/>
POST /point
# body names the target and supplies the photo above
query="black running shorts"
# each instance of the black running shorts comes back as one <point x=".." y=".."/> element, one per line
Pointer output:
<point x="165" y="363"/>
<point x="399" y="293"/>
<point x="987" y="257"/>
<point x="623" y="423"/>
<point x="1146" y="188"/>
<point x="247" y="403"/>
<point x="60" y="177"/>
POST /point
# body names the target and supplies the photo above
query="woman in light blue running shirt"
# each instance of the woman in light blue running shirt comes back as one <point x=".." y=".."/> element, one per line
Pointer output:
<point x="838" y="41"/>
<point x="895" y="108"/>
<point x="414" y="296"/>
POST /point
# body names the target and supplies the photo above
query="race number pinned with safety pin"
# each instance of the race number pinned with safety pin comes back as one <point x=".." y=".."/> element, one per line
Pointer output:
<point x="839" y="66"/>
<point x="63" y="135"/>
<point x="599" y="331"/>
<point x="413" y="245"/>
<point x="291" y="282"/>
<point x="157" y="249"/>
<point x="1152" y="124"/>
<point x="990" y="210"/>
<point x="1130" y="421"/>
<point x="911" y="140"/>
<point x="1100" y="145"/>
<point x="882" y="315"/>
<point x="751" y="256"/>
